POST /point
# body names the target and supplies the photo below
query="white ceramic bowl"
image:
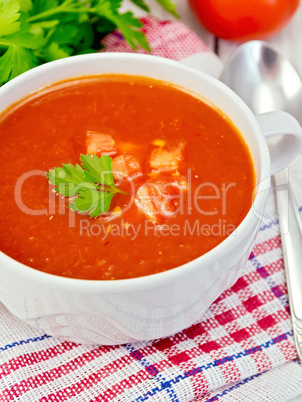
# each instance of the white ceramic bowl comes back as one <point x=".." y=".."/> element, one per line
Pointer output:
<point x="120" y="311"/>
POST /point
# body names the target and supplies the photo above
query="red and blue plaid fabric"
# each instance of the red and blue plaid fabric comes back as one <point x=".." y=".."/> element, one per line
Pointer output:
<point x="242" y="348"/>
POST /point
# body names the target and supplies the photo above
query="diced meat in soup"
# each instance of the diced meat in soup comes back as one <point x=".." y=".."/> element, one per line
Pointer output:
<point x="100" y="144"/>
<point x="159" y="200"/>
<point x="163" y="159"/>
<point x="124" y="166"/>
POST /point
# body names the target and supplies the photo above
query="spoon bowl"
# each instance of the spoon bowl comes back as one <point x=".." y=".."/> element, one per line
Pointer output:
<point x="264" y="79"/>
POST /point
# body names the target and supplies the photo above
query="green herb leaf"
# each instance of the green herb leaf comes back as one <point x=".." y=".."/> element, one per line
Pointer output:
<point x="16" y="42"/>
<point x="141" y="4"/>
<point x="98" y="169"/>
<point x="24" y="39"/>
<point x="16" y="60"/>
<point x="55" y="52"/>
<point x="65" y="34"/>
<point x="26" y="5"/>
<point x="9" y="17"/>
<point x="40" y="26"/>
<point x="44" y="5"/>
<point x="33" y="32"/>
<point x="92" y="201"/>
<point x="92" y="184"/>
<point x="127" y="23"/>
<point x="102" y="206"/>
<point x="169" y="6"/>
<point x="69" y="180"/>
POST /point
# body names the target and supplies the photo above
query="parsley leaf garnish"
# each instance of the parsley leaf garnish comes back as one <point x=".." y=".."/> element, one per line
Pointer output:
<point x="33" y="32"/>
<point x="91" y="184"/>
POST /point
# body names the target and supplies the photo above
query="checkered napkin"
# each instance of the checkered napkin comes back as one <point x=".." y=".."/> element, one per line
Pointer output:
<point x="241" y="350"/>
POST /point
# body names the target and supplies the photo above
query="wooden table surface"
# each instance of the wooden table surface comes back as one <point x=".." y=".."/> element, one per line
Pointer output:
<point x="288" y="41"/>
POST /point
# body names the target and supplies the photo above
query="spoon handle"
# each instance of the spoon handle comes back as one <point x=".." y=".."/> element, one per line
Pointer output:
<point x="291" y="236"/>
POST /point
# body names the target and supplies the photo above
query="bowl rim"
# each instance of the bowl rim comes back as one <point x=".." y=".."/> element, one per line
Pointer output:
<point x="171" y="275"/>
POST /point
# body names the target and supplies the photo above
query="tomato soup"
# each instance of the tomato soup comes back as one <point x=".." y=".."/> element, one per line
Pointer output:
<point x="185" y="172"/>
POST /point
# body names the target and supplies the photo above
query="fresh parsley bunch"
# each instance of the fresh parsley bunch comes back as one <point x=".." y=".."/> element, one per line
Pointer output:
<point x="33" y="32"/>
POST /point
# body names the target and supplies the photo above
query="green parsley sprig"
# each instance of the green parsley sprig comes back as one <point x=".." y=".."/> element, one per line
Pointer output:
<point x="91" y="184"/>
<point x="33" y="32"/>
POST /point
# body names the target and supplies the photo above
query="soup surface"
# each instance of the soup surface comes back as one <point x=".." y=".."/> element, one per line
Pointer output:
<point x="187" y="172"/>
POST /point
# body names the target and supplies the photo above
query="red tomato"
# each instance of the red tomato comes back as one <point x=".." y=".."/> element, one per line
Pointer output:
<point x="244" y="19"/>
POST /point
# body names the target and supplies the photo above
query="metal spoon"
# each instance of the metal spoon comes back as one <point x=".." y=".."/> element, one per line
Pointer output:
<point x="266" y="81"/>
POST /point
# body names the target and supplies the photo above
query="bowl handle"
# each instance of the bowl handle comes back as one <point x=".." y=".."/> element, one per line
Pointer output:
<point x="287" y="148"/>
